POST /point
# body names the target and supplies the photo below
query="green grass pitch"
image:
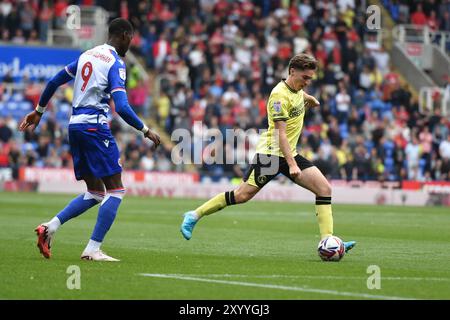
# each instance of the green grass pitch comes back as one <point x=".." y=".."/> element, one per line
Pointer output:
<point x="257" y="250"/>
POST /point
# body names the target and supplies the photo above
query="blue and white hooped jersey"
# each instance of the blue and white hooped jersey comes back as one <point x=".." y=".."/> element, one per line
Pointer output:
<point x="98" y="72"/>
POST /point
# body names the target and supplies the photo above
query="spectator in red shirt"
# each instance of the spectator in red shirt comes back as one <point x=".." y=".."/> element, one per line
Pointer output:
<point x="321" y="55"/>
<point x="247" y="8"/>
<point x="222" y="8"/>
<point x="32" y="91"/>
<point x="124" y="13"/>
<point x="160" y="50"/>
<point x="284" y="51"/>
<point x="166" y="15"/>
<point x="433" y="22"/>
<point x="196" y="112"/>
<point x="45" y="16"/>
<point x="419" y="18"/>
<point x="336" y="54"/>
<point x="390" y="83"/>
<point x="60" y="12"/>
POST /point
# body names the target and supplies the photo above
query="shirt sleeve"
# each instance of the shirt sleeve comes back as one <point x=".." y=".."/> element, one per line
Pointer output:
<point x="71" y="68"/>
<point x="278" y="108"/>
<point x="116" y="77"/>
<point x="125" y="111"/>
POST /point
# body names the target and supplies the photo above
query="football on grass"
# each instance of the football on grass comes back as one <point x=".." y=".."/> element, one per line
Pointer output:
<point x="331" y="249"/>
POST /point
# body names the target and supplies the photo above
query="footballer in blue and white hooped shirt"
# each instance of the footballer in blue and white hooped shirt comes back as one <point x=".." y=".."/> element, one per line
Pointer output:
<point x="99" y="74"/>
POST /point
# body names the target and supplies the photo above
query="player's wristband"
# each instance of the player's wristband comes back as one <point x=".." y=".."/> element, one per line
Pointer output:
<point x="40" y="109"/>
<point x="145" y="129"/>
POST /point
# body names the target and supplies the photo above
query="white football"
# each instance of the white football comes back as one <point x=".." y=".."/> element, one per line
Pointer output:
<point x="331" y="249"/>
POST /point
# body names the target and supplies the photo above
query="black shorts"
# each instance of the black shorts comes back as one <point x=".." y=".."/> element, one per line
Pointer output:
<point x="265" y="167"/>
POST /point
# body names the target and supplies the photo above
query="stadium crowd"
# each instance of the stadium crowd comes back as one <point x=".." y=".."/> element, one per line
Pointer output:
<point x="216" y="62"/>
<point x="431" y="13"/>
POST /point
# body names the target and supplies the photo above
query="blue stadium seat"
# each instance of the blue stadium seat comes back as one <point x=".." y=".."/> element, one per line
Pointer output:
<point x="389" y="164"/>
<point x="369" y="145"/>
<point x="389" y="147"/>
<point x="332" y="104"/>
<point x="15" y="108"/>
<point x="422" y="164"/>
<point x="3" y="109"/>
<point x="343" y="129"/>
<point x="377" y="105"/>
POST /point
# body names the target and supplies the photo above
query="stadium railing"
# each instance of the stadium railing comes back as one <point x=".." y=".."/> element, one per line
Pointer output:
<point x="421" y="34"/>
<point x="84" y="27"/>
<point x="431" y="98"/>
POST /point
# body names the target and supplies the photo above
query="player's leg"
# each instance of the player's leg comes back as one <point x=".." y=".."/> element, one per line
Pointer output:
<point x="106" y="216"/>
<point x="80" y="204"/>
<point x="263" y="169"/>
<point x="313" y="180"/>
<point x="102" y="158"/>
<point x="94" y="195"/>
<point x="242" y="194"/>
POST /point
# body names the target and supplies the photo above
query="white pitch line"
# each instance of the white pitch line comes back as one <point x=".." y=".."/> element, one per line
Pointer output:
<point x="272" y="286"/>
<point x="227" y="275"/>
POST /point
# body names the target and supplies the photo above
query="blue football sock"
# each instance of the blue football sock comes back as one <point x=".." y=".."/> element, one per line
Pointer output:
<point x="107" y="213"/>
<point x="79" y="205"/>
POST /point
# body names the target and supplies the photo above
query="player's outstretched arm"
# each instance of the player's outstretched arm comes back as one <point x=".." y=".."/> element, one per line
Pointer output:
<point x="125" y="111"/>
<point x="311" y="101"/>
<point x="32" y="119"/>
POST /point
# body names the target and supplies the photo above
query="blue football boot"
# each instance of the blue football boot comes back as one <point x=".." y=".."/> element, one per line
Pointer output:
<point x="188" y="224"/>
<point x="349" y="245"/>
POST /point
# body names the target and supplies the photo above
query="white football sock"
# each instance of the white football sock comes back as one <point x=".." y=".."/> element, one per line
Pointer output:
<point x="53" y="225"/>
<point x="92" y="246"/>
<point x="196" y="215"/>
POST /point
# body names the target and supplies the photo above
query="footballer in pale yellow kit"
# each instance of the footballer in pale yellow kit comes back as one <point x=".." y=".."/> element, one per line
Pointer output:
<point x="285" y="104"/>
<point x="276" y="152"/>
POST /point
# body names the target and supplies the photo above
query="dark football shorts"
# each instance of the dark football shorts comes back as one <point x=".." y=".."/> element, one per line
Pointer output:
<point x="265" y="167"/>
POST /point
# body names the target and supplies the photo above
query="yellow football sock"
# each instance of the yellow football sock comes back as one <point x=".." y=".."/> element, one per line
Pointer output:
<point x="324" y="216"/>
<point x="215" y="204"/>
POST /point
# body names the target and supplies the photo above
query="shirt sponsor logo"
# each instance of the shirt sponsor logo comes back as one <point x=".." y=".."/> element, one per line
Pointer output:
<point x="296" y="111"/>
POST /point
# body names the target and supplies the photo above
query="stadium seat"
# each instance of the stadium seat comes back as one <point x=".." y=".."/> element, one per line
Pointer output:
<point x="343" y="129"/>
<point x="389" y="147"/>
<point x="389" y="165"/>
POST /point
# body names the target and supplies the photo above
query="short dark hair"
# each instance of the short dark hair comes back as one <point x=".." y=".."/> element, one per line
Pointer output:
<point x="302" y="61"/>
<point x="118" y="26"/>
